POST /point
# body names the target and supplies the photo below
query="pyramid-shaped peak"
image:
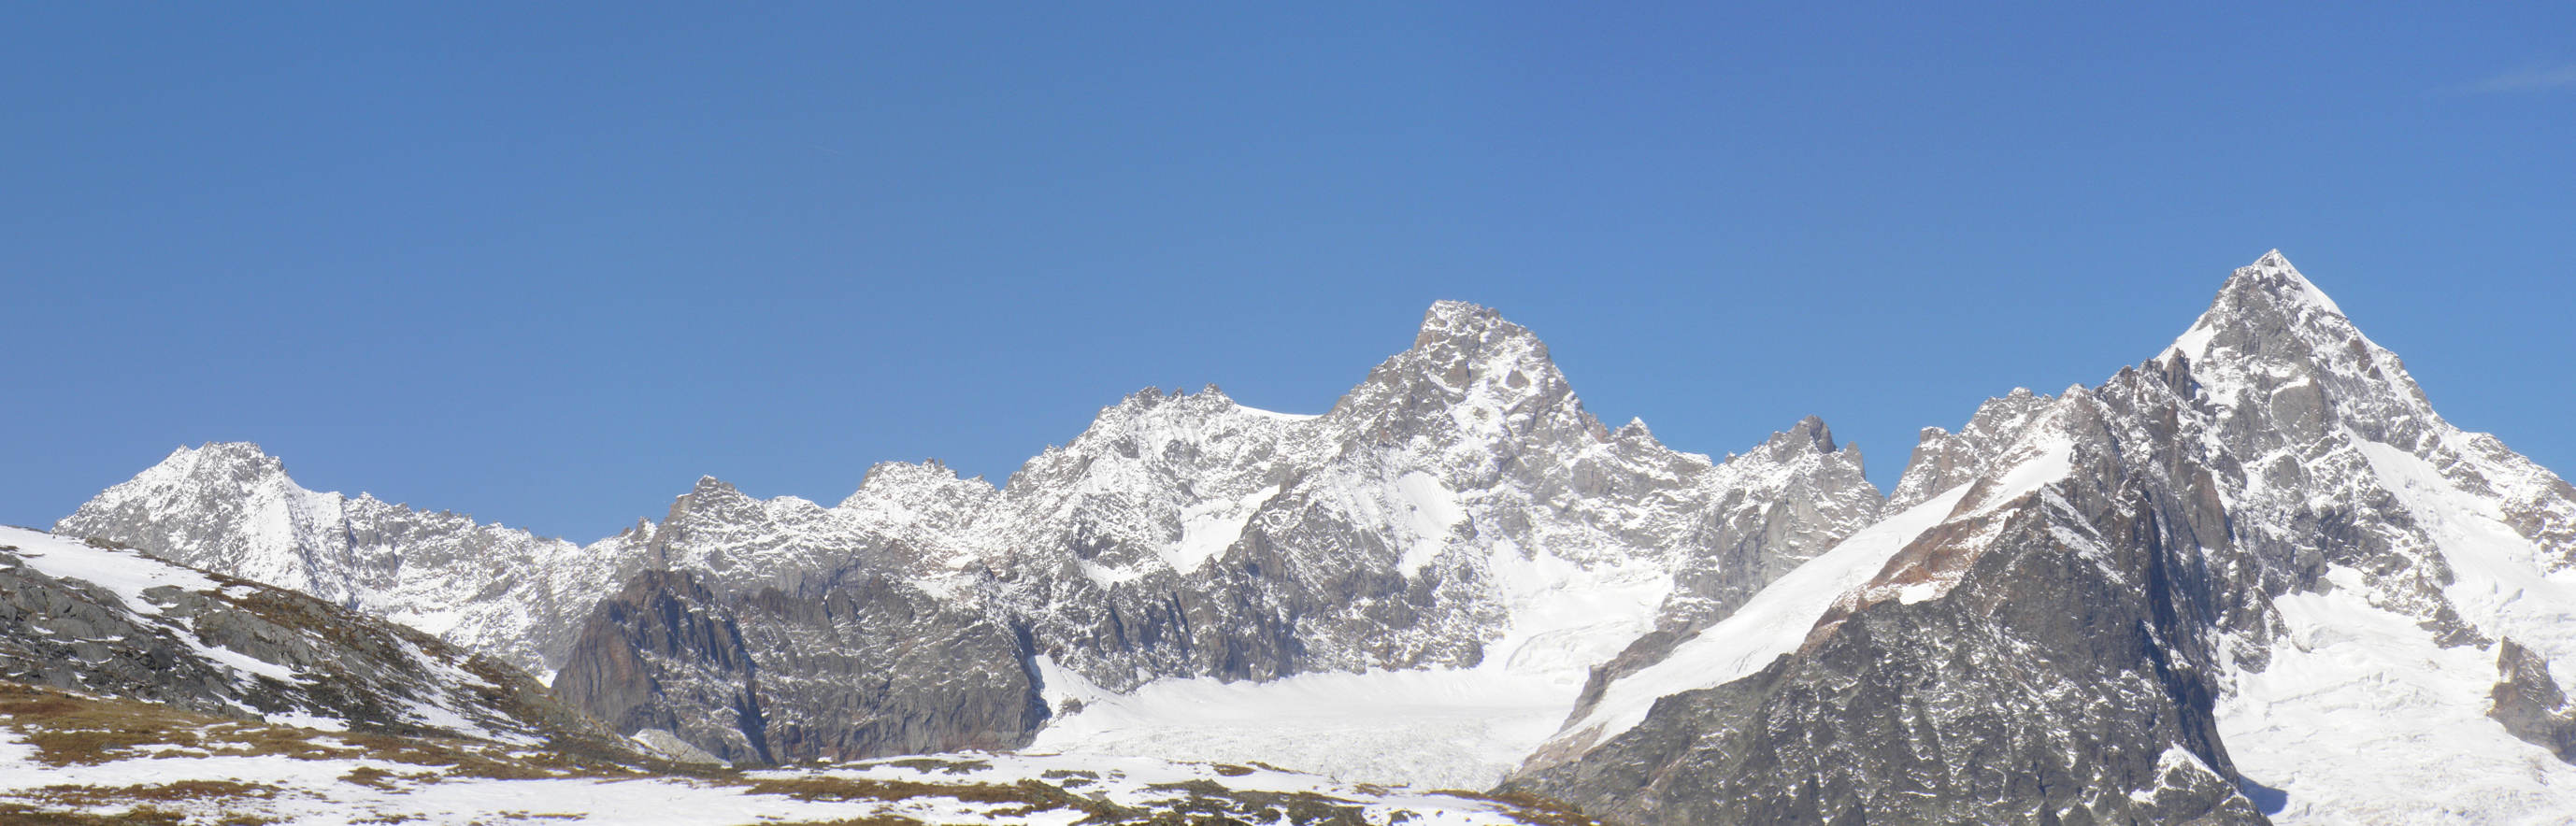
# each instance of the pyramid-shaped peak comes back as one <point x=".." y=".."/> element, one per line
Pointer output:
<point x="2275" y="276"/>
<point x="2266" y="301"/>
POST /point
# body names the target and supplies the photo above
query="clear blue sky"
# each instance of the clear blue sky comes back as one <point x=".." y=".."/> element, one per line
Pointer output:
<point x="549" y="265"/>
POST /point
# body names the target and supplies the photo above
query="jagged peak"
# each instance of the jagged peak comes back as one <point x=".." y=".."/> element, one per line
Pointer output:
<point x="1452" y="319"/>
<point x="641" y="530"/>
<point x="1472" y="328"/>
<point x="224" y="455"/>
<point x="892" y="471"/>
<point x="894" y="477"/>
<point x="1809" y="435"/>
<point x="708" y="484"/>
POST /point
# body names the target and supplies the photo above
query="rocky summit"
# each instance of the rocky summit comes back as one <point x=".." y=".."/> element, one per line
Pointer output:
<point x="2252" y="578"/>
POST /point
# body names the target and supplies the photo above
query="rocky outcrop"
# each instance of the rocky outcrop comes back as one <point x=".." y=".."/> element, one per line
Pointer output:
<point x="113" y="621"/>
<point x="664" y="654"/>
<point x="868" y="668"/>
<point x="2529" y="702"/>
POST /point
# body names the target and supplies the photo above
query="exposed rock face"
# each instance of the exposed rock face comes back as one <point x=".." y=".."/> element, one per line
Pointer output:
<point x="2078" y="607"/>
<point x="1943" y="460"/>
<point x="2529" y="702"/>
<point x="2037" y="657"/>
<point x="663" y="655"/>
<point x="867" y="668"/>
<point x="113" y="621"/>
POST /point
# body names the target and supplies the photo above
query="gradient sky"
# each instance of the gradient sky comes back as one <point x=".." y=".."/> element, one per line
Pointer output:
<point x="549" y="265"/>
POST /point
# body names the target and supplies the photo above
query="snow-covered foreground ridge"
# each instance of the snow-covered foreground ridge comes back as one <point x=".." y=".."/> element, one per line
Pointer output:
<point x="2254" y="578"/>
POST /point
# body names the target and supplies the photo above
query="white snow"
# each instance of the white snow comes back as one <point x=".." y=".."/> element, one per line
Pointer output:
<point x="2498" y="582"/>
<point x="1567" y="617"/>
<point x="314" y="792"/>
<point x="2048" y="459"/>
<point x="1273" y="414"/>
<point x="2275" y="262"/>
<point x="127" y="574"/>
<point x="1454" y="728"/>
<point x="1774" y="622"/>
<point x="1208" y="528"/>
<point x="2360" y="717"/>
<point x="240" y="662"/>
<point x="1431" y="511"/>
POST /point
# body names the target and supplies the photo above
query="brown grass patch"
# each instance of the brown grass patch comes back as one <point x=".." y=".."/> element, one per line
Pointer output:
<point x="926" y="765"/>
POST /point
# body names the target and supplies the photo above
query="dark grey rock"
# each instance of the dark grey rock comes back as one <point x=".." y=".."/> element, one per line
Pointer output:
<point x="2529" y="702"/>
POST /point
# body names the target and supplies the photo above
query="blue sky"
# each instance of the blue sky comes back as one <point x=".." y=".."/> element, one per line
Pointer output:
<point x="548" y="266"/>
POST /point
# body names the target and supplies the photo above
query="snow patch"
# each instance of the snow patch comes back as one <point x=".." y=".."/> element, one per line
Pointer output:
<point x="1440" y="729"/>
<point x="2497" y="582"/>
<point x="1208" y="528"/>
<point x="1431" y="511"/>
<point x="127" y="574"/>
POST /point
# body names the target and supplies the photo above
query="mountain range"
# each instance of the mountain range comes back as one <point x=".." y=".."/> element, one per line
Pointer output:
<point x="2252" y="578"/>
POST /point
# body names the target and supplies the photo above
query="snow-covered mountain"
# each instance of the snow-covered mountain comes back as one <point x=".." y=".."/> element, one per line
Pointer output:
<point x="229" y="507"/>
<point x="2255" y="574"/>
<point x="1457" y="511"/>
<point x="2253" y="578"/>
